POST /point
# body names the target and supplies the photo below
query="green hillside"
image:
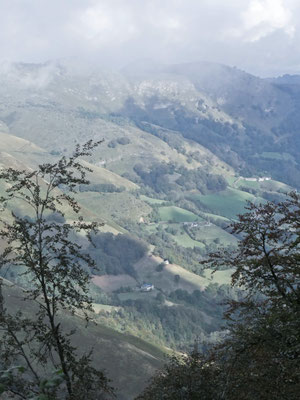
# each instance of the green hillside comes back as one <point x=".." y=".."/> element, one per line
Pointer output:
<point x="114" y="206"/>
<point x="183" y="149"/>
<point x="228" y="203"/>
<point x="128" y="361"/>
<point x="100" y="175"/>
<point x="176" y="214"/>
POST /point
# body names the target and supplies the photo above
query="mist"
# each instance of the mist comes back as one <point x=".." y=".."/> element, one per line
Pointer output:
<point x="259" y="36"/>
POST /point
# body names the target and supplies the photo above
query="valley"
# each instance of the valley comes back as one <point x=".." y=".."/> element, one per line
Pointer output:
<point x="185" y="147"/>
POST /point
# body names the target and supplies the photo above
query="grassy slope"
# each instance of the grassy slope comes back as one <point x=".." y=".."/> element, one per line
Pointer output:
<point x="162" y="280"/>
<point x="227" y="203"/>
<point x="165" y="281"/>
<point x="24" y="155"/>
<point x="271" y="185"/>
<point x="184" y="240"/>
<point x="128" y="361"/>
<point x="62" y="127"/>
<point x="210" y="233"/>
<point x="103" y="175"/>
<point x="114" y="205"/>
<point x="109" y="283"/>
<point x="176" y="214"/>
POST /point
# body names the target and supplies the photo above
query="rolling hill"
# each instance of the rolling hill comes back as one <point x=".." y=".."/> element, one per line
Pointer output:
<point x="185" y="148"/>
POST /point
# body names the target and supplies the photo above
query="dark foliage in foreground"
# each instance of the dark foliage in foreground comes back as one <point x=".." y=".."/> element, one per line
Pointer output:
<point x="260" y="355"/>
<point x="43" y="245"/>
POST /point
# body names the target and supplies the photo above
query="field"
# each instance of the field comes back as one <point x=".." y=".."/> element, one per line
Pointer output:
<point x="269" y="185"/>
<point x="109" y="283"/>
<point x="114" y="206"/>
<point x="165" y="280"/>
<point x="247" y="184"/>
<point x="184" y="240"/>
<point x="213" y="232"/>
<point x="103" y="175"/>
<point x="103" y="307"/>
<point x="176" y="214"/>
<point x="227" y="203"/>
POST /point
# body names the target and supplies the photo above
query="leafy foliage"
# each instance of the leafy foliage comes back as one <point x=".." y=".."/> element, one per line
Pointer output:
<point x="267" y="260"/>
<point x="187" y="377"/>
<point x="117" y="253"/>
<point x="158" y="178"/>
<point x="43" y="245"/>
<point x="101" y="188"/>
<point x="259" y="357"/>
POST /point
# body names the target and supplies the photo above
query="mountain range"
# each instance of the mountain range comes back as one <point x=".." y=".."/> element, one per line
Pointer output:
<point x="184" y="148"/>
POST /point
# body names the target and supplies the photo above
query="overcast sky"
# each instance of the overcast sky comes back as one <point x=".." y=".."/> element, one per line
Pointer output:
<point x="259" y="36"/>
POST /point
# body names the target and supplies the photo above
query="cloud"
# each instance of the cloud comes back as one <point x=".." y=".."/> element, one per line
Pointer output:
<point x="245" y="33"/>
<point x="28" y="78"/>
<point x="115" y="22"/>
<point x="262" y="18"/>
<point x="101" y="24"/>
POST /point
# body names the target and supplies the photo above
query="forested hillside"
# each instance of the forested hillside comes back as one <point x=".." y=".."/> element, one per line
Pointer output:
<point x="183" y="149"/>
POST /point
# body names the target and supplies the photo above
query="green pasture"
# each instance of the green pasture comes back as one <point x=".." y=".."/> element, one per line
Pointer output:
<point x="212" y="232"/>
<point x="177" y="214"/>
<point x="185" y="240"/>
<point x="165" y="282"/>
<point x="227" y="203"/>
<point x="248" y="184"/>
<point x="231" y="179"/>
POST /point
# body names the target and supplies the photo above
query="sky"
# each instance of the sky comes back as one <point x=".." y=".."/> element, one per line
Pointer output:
<point x="259" y="36"/>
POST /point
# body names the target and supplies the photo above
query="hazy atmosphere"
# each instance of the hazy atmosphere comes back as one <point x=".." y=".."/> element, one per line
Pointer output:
<point x="149" y="199"/>
<point x="259" y="36"/>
